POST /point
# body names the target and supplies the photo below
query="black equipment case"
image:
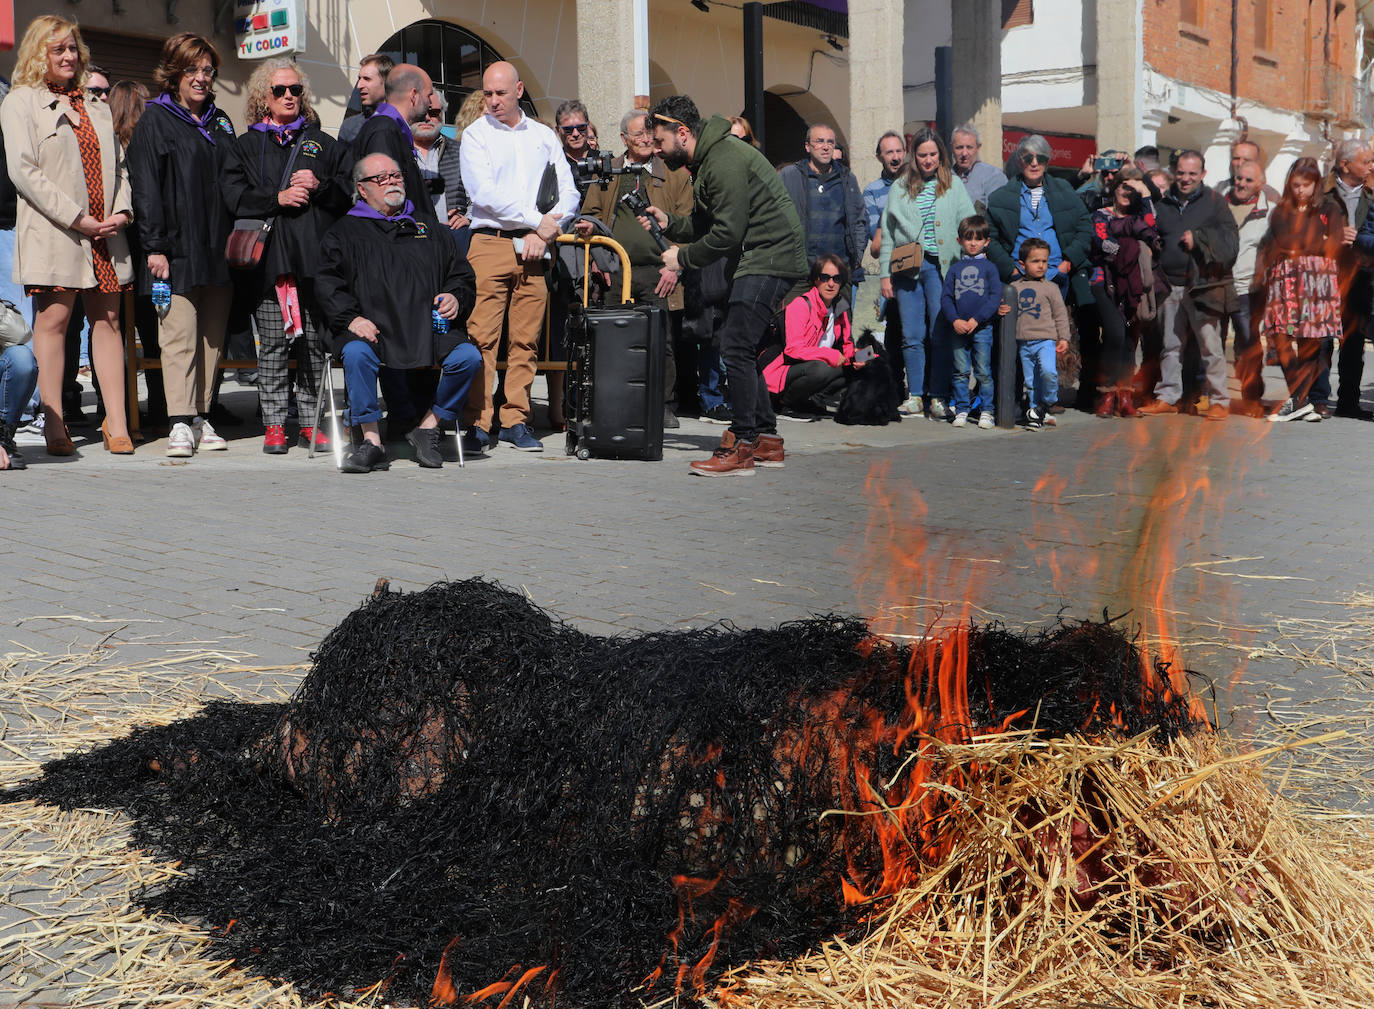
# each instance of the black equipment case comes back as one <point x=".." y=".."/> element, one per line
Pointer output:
<point x="617" y="357"/>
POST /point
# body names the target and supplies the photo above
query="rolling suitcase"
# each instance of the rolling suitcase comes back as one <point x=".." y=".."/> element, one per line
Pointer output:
<point x="618" y="356"/>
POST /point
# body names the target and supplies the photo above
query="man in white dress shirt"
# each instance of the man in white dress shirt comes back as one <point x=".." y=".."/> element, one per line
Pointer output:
<point x="504" y="155"/>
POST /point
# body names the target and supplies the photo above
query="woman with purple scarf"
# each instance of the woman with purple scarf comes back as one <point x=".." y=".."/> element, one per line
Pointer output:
<point x="286" y="170"/>
<point x="175" y="156"/>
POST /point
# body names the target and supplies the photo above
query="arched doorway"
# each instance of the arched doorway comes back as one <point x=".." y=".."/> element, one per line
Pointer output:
<point x="454" y="58"/>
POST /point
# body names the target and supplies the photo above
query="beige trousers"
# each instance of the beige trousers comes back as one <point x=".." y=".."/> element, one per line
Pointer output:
<point x="192" y="336"/>
<point x="508" y="290"/>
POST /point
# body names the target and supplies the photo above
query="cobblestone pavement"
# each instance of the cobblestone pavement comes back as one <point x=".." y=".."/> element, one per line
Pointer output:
<point x="264" y="554"/>
<point x="254" y="556"/>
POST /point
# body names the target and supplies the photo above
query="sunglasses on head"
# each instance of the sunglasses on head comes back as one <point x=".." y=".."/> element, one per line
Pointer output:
<point x="1035" y="159"/>
<point x="98" y="92"/>
<point x="572" y="128"/>
<point x="278" y="90"/>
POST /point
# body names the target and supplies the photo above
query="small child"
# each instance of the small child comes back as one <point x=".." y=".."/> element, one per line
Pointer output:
<point x="972" y="293"/>
<point x="1042" y="328"/>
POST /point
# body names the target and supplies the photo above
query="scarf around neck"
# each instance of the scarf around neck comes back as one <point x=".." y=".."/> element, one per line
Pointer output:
<point x="186" y="115"/>
<point x="361" y="209"/>
<point x="284" y="132"/>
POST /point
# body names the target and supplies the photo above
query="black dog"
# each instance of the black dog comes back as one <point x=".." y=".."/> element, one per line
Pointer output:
<point x="873" y="394"/>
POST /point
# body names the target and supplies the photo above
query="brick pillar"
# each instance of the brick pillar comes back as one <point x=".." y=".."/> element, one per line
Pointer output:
<point x="606" y="64"/>
<point x="977" y="63"/>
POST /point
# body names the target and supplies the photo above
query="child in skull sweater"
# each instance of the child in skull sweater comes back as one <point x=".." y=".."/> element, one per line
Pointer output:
<point x="1041" y="323"/>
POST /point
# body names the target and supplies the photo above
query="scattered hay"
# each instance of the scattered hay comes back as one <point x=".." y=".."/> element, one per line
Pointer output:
<point x="1115" y="875"/>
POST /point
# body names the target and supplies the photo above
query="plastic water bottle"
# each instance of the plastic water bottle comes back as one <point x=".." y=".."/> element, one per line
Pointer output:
<point x="162" y="297"/>
<point x="440" y="323"/>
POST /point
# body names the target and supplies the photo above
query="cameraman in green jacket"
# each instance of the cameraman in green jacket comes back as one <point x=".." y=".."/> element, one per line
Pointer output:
<point x="741" y="214"/>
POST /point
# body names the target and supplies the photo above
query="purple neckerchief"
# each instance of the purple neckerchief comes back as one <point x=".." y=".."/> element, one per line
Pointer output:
<point x="284" y="131"/>
<point x="389" y="110"/>
<point x="361" y="209"/>
<point x="182" y="112"/>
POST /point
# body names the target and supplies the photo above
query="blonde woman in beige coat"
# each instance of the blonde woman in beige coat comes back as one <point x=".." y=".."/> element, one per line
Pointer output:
<point x="74" y="204"/>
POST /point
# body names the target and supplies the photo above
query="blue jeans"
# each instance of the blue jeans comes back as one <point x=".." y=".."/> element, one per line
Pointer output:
<point x="918" y="304"/>
<point x="361" y="365"/>
<point x="977" y="345"/>
<point x="18" y="379"/>
<point x="1041" y="372"/>
<point x="711" y="373"/>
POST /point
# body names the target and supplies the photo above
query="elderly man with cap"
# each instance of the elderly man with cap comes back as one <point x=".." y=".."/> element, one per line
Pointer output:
<point x="383" y="276"/>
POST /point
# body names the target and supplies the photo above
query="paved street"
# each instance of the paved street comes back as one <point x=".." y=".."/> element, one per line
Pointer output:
<point x="263" y="555"/>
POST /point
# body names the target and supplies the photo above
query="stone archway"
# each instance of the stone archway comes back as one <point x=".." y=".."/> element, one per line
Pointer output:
<point x="787" y="112"/>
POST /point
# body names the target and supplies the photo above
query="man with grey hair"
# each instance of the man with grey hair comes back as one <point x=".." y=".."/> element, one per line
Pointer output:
<point x="980" y="178"/>
<point x="1251" y="208"/>
<point x="829" y="203"/>
<point x="1349" y="184"/>
<point x="439" y="163"/>
<point x="382" y="276"/>
<point x="669" y="189"/>
<point x="389" y="131"/>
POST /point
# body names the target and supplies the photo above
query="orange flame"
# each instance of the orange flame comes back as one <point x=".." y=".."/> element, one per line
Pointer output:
<point x="443" y="993"/>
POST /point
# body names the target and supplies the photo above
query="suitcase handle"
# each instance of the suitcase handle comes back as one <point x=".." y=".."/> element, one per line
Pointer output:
<point x="610" y="243"/>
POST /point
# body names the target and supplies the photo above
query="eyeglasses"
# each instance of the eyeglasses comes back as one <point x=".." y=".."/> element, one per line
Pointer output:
<point x="639" y="135"/>
<point x="572" y="128"/>
<point x="383" y="177"/>
<point x="98" y="93"/>
<point x="434" y="114"/>
<point x="209" y="73"/>
<point x="279" y="90"/>
<point x="1035" y="159"/>
<point x="829" y="278"/>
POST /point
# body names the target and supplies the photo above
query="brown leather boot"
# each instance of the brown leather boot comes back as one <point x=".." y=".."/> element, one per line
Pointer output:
<point x="731" y="458"/>
<point x="768" y="451"/>
<point x="1106" y="403"/>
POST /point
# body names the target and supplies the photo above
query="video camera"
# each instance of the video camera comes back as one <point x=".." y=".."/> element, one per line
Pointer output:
<point x="599" y="169"/>
<point x="638" y="204"/>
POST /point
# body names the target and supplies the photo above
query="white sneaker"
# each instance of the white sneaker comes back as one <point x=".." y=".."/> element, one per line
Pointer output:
<point x="913" y="407"/>
<point x="207" y="438"/>
<point x="985" y="421"/>
<point x="181" y="443"/>
<point x="960" y="419"/>
<point x="937" y="408"/>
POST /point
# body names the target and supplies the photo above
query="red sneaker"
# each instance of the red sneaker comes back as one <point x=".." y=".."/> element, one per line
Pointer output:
<point x="274" y="441"/>
<point x="322" y="442"/>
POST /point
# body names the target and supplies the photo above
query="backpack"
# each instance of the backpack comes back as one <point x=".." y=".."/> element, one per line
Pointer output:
<point x="1148" y="307"/>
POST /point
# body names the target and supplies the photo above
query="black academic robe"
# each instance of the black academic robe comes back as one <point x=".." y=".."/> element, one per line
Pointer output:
<point x="382" y="135"/>
<point x="390" y="272"/>
<point x="250" y="181"/>
<point x="174" y="175"/>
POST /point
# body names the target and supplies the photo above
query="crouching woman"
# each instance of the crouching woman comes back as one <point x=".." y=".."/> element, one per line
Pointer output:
<point x="818" y="346"/>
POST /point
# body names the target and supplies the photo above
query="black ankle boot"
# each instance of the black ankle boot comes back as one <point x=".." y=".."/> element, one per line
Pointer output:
<point x="11" y="449"/>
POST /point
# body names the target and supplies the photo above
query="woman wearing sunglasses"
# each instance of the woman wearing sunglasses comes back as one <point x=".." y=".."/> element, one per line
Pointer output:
<point x="809" y="374"/>
<point x="1035" y="204"/>
<point x="286" y="170"/>
<point x="175" y="156"/>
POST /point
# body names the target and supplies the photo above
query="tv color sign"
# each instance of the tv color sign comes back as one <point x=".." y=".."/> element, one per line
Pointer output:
<point x="268" y="28"/>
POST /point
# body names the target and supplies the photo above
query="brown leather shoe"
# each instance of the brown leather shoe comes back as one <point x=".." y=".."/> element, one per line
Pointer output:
<point x="768" y="451"/>
<point x="731" y="458"/>
<point x="1217" y="411"/>
<point x="1158" y="406"/>
<point x="55" y="433"/>
<point x="115" y="444"/>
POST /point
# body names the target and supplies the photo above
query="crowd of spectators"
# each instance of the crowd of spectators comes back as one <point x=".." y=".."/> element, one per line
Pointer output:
<point x="417" y="252"/>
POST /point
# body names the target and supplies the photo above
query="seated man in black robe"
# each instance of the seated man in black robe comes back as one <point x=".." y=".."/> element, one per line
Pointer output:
<point x="383" y="275"/>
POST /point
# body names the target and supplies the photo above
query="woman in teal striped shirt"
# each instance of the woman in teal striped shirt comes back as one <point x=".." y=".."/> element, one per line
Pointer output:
<point x="925" y="205"/>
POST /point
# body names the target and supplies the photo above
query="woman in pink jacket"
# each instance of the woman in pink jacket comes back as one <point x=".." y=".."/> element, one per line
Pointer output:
<point x="810" y="371"/>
